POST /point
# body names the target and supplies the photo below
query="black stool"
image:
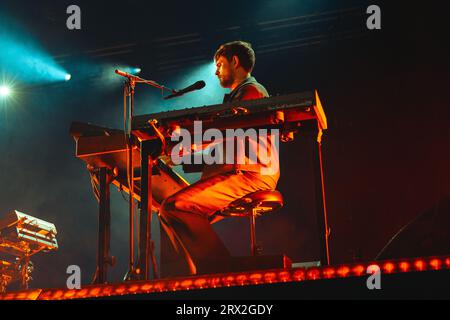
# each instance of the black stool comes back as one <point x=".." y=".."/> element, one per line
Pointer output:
<point x="253" y="205"/>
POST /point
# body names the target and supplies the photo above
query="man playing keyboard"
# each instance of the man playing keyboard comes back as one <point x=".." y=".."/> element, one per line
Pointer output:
<point x="185" y="215"/>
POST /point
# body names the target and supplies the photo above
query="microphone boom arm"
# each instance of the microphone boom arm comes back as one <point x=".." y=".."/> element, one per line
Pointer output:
<point x="137" y="79"/>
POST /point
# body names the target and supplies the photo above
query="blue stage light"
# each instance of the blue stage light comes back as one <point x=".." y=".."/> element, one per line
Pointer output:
<point x="136" y="70"/>
<point x="5" y="91"/>
<point x="23" y="57"/>
<point x="68" y="77"/>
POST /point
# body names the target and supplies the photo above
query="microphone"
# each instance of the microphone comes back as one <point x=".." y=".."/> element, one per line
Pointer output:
<point x="196" y="86"/>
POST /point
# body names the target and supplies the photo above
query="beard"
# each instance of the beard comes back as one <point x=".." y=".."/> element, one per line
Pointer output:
<point x="226" y="82"/>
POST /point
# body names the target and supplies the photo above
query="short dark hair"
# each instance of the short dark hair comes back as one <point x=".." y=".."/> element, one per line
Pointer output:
<point x="243" y="50"/>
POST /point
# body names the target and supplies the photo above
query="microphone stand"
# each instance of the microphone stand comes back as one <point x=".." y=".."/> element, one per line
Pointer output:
<point x="146" y="244"/>
<point x="135" y="79"/>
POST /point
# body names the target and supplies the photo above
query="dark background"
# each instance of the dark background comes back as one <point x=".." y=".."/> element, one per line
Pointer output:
<point x="385" y="93"/>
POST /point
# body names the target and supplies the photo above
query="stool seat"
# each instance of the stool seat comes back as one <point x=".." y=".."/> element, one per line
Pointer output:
<point x="263" y="201"/>
<point x="252" y="206"/>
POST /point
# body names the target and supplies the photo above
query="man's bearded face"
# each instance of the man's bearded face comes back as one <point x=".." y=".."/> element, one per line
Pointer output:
<point x="224" y="72"/>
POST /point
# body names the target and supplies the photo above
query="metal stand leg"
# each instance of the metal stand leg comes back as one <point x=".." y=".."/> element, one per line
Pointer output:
<point x="104" y="227"/>
<point x="321" y="209"/>
<point x="146" y="247"/>
<point x="129" y="92"/>
<point x="254" y="247"/>
<point x="25" y="272"/>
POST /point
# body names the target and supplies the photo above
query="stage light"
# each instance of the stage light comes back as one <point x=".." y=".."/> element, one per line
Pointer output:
<point x="419" y="265"/>
<point x="5" y="91"/>
<point x="136" y="70"/>
<point x="435" y="264"/>
<point x="26" y="59"/>
<point x="130" y="70"/>
<point x="299" y="275"/>
<point x="313" y="274"/>
<point x="284" y="276"/>
<point x="329" y="273"/>
<point x="389" y="267"/>
<point x="68" y="77"/>
<point x="404" y="266"/>
<point x="358" y="270"/>
<point x="229" y="280"/>
<point x="343" y="271"/>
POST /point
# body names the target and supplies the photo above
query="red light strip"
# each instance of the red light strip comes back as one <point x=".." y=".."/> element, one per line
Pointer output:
<point x="23" y="295"/>
<point x="235" y="279"/>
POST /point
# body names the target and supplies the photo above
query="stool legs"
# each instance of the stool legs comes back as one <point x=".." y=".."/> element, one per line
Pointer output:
<point x="253" y="246"/>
